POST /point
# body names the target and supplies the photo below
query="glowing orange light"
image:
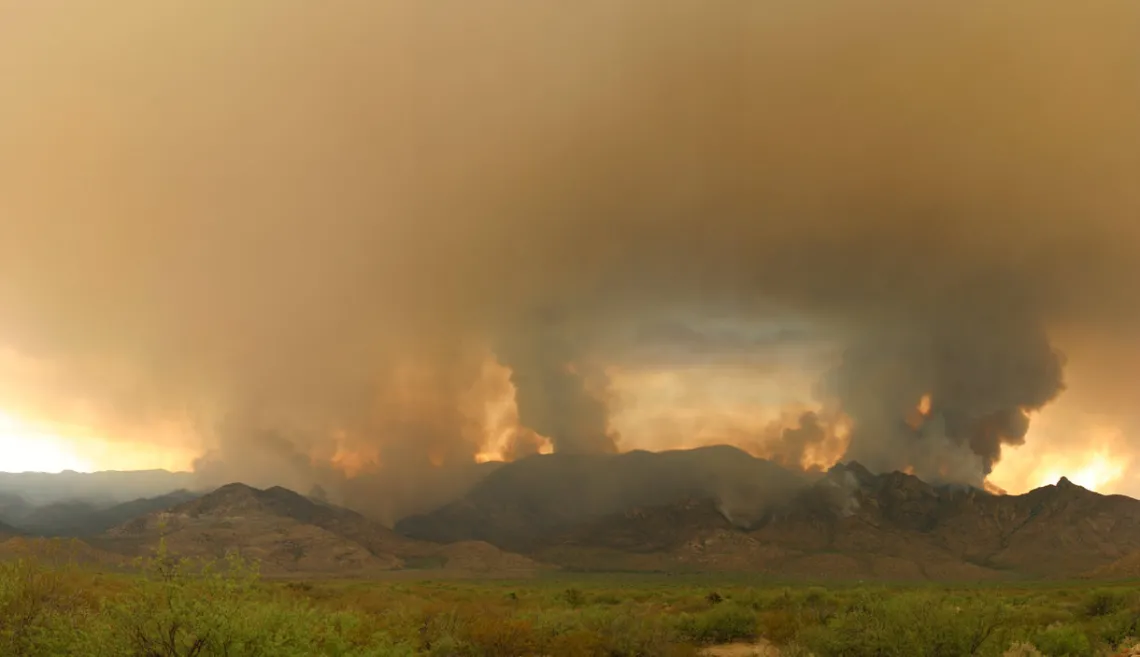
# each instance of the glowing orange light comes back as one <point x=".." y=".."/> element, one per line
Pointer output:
<point x="918" y="416"/>
<point x="1097" y="470"/>
<point x="993" y="488"/>
<point x="353" y="461"/>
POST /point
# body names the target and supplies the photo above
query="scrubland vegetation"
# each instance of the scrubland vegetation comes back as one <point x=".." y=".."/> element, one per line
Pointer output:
<point x="173" y="607"/>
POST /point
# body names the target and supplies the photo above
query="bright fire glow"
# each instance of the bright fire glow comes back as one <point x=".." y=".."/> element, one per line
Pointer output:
<point x="1096" y="472"/>
<point x="1090" y="451"/>
<point x="351" y="463"/>
<point x="918" y="416"/>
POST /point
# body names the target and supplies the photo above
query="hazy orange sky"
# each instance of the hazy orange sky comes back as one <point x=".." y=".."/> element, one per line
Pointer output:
<point x="667" y="409"/>
<point x="266" y="239"/>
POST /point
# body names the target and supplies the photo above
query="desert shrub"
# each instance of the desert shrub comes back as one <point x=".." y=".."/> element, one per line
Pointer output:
<point x="905" y="625"/>
<point x="628" y="631"/>
<point x="607" y="599"/>
<point x="574" y="597"/>
<point x="437" y="625"/>
<point x="488" y="635"/>
<point x="1022" y="649"/>
<point x="182" y="608"/>
<point x="576" y="643"/>
<point x="780" y="626"/>
<point x="723" y="623"/>
<point x="1063" y="641"/>
<point x="1116" y="628"/>
<point x="1104" y="602"/>
<point x="41" y="611"/>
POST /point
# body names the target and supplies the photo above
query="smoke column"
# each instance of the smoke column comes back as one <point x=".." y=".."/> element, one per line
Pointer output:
<point x="305" y="228"/>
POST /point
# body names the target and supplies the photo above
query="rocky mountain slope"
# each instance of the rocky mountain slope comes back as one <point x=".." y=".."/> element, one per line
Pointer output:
<point x="709" y="509"/>
<point x="845" y="523"/>
<point x="1059" y="530"/>
<point x="524" y="505"/>
<point x="290" y="533"/>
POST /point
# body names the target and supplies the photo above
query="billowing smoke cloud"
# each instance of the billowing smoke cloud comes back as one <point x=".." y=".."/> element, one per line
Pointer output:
<point x="982" y="378"/>
<point x="553" y="396"/>
<point x="319" y="222"/>
<point x="794" y="443"/>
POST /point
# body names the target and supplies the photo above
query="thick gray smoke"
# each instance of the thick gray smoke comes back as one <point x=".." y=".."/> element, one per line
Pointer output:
<point x="317" y="220"/>
<point x="982" y="378"/>
<point x="552" y="394"/>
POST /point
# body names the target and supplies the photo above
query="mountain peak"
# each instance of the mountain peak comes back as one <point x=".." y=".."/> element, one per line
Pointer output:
<point x="1064" y="485"/>
<point x="225" y="499"/>
<point x="854" y="471"/>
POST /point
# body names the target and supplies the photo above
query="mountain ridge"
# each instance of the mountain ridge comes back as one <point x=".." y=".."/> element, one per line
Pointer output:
<point x="291" y="534"/>
<point x="708" y="509"/>
<point x="843" y="522"/>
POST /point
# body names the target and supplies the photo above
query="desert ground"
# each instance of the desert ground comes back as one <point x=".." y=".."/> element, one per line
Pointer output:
<point x="162" y="605"/>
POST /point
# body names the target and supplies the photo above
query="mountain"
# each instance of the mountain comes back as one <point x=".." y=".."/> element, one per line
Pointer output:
<point x="846" y="523"/>
<point x="708" y="509"/>
<point x="8" y="531"/>
<point x="97" y="488"/>
<point x="292" y="534"/>
<point x="78" y="519"/>
<point x="525" y="504"/>
<point x="1060" y="530"/>
<point x="13" y="508"/>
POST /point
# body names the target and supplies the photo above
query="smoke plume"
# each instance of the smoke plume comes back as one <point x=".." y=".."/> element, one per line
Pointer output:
<point x="320" y="233"/>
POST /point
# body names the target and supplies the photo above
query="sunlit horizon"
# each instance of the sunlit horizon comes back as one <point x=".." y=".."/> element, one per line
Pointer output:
<point x="44" y="448"/>
<point x="27" y="446"/>
<point x="26" y="449"/>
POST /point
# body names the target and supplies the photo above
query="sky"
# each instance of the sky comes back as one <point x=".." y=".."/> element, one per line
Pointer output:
<point x="379" y="241"/>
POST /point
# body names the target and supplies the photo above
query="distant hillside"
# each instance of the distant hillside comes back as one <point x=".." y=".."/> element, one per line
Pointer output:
<point x="13" y="508"/>
<point x="80" y="519"/>
<point x="290" y="533"/>
<point x="524" y="504"/>
<point x="100" y="489"/>
<point x="1055" y="531"/>
<point x="8" y="531"/>
<point x="848" y="523"/>
<point x="709" y="509"/>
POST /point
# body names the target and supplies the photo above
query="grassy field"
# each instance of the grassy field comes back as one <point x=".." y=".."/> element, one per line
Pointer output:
<point x="171" y="607"/>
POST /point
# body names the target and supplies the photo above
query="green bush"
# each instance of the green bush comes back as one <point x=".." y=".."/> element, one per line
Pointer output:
<point x="180" y="608"/>
<point x="41" y="612"/>
<point x="903" y="626"/>
<point x="1063" y="641"/>
<point x="723" y="623"/>
<point x="1118" y="627"/>
<point x="574" y="597"/>
<point x="780" y="626"/>
<point x="1104" y="602"/>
